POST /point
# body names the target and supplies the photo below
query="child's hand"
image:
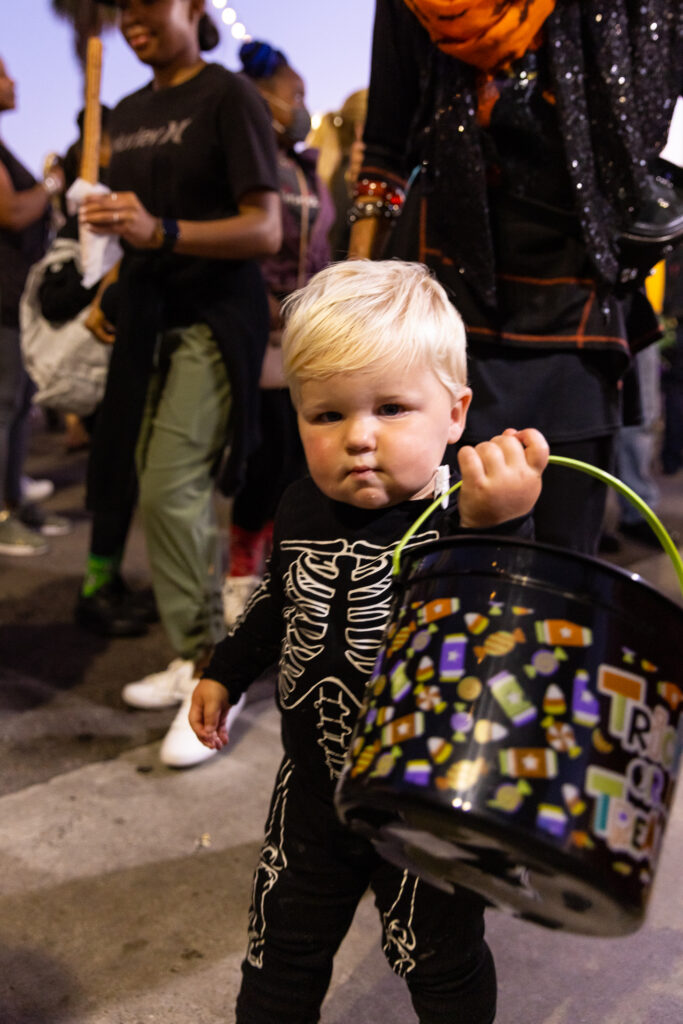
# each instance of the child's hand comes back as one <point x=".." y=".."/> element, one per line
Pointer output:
<point x="208" y="712"/>
<point x="501" y="478"/>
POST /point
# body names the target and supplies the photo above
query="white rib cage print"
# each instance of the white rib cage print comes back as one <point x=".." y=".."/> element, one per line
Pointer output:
<point x="311" y="586"/>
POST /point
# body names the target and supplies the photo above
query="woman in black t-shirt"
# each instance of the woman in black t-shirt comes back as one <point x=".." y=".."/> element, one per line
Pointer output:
<point x="194" y="201"/>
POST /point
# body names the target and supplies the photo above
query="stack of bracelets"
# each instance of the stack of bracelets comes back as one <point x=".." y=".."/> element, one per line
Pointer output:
<point x="375" y="199"/>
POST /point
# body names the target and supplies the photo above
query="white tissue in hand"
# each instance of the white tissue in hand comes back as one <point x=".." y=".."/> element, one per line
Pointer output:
<point x="99" y="253"/>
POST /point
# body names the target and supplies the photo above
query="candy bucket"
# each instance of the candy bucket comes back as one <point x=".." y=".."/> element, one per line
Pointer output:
<point x="521" y="733"/>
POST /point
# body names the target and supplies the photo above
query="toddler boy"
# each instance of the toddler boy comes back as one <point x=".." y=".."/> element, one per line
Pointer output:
<point x="374" y="353"/>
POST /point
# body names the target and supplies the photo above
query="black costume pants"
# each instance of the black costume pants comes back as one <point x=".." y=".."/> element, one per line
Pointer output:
<point x="311" y="876"/>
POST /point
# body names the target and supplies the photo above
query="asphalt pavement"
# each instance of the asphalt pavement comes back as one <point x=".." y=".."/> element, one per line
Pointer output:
<point x="124" y="885"/>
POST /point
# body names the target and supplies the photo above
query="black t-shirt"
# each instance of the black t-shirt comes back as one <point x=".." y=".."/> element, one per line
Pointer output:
<point x="19" y="250"/>
<point x="192" y="151"/>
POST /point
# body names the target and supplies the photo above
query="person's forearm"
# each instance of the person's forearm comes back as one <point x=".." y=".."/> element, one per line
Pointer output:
<point x="368" y="236"/>
<point x="253" y="234"/>
<point x="20" y="209"/>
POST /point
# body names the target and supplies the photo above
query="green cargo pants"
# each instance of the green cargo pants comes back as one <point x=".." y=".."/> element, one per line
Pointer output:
<point x="181" y="442"/>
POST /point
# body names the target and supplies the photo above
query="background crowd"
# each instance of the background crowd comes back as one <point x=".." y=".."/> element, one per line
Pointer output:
<point x="525" y="161"/>
<point x="466" y="157"/>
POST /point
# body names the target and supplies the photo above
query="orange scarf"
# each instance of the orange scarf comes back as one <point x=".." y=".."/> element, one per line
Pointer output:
<point x="489" y="34"/>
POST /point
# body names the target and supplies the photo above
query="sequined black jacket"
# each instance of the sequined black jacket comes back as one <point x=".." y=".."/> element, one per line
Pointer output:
<point x="614" y="70"/>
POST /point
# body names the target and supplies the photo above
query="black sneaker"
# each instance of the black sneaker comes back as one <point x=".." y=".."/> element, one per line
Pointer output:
<point x="141" y="602"/>
<point x="109" y="613"/>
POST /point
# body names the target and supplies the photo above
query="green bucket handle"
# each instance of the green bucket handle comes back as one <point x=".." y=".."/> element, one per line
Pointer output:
<point x="585" y="467"/>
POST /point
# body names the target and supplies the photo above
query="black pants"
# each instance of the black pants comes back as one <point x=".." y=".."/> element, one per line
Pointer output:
<point x="311" y="876"/>
<point x="672" y="388"/>
<point x="571" y="508"/>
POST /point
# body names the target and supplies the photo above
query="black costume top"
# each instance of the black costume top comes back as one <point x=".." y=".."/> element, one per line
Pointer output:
<point x="519" y="218"/>
<point x="19" y="250"/>
<point x="191" y="152"/>
<point x="321" y="611"/>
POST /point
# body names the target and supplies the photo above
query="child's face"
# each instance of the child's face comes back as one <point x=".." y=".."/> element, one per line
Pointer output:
<point x="375" y="438"/>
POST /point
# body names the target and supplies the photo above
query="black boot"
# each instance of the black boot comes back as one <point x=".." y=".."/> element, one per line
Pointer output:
<point x="110" y="612"/>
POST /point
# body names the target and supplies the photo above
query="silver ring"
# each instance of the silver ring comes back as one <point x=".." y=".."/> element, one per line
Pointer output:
<point x="116" y="216"/>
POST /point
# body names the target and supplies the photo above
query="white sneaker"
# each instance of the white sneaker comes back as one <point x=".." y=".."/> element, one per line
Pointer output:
<point x="181" y="748"/>
<point x="236" y="592"/>
<point x="35" y="490"/>
<point x="162" y="689"/>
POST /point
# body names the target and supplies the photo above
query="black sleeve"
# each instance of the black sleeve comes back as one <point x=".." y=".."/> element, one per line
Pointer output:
<point x="248" y="139"/>
<point x="254" y="645"/>
<point x="521" y="528"/>
<point x="394" y="92"/>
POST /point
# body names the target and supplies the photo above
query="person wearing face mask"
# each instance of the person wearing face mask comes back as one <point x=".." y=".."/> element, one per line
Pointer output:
<point x="307" y="215"/>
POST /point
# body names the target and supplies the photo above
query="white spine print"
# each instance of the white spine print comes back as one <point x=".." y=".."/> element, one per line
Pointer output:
<point x="335" y="724"/>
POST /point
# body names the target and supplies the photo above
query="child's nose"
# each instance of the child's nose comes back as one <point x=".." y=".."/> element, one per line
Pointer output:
<point x="360" y="433"/>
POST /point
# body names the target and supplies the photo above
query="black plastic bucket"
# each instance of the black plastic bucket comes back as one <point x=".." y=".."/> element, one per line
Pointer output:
<point x="521" y="733"/>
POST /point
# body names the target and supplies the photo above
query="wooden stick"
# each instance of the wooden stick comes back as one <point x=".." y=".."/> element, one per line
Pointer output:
<point x="90" y="159"/>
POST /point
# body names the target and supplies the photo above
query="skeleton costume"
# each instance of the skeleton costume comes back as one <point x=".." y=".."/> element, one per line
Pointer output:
<point x="322" y="610"/>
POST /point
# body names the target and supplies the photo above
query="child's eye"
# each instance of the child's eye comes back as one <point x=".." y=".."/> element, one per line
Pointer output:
<point x="391" y="409"/>
<point x="328" y="417"/>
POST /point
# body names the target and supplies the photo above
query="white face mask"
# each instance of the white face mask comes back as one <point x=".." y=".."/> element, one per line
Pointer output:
<point x="300" y="124"/>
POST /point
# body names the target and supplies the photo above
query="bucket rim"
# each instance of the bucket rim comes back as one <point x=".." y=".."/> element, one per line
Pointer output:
<point x="416" y="551"/>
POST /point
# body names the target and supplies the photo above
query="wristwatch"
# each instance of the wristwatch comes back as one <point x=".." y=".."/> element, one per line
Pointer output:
<point x="170" y="232"/>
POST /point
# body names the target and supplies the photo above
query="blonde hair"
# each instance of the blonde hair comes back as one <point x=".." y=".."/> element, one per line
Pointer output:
<point x="362" y="314"/>
<point x="336" y="133"/>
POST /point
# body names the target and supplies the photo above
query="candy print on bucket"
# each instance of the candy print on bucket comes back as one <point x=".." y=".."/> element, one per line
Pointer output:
<point x="536" y="762"/>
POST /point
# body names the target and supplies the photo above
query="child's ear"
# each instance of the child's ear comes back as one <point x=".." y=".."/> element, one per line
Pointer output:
<point x="459" y="415"/>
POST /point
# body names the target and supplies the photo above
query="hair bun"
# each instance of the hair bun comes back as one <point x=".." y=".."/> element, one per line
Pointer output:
<point x="260" y="60"/>
<point x="209" y="36"/>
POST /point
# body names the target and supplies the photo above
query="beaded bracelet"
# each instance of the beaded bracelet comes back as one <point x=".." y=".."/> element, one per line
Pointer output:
<point x="361" y="211"/>
<point x="370" y="187"/>
<point x="373" y="189"/>
<point x="389" y="206"/>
